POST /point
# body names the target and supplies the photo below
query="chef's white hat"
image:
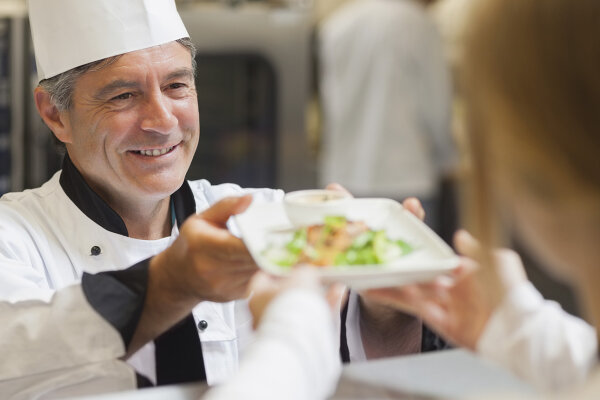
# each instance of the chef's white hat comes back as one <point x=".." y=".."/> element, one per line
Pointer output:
<point x="70" y="33"/>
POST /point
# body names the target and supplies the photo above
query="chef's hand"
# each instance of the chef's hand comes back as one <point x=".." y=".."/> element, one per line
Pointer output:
<point x="265" y="288"/>
<point x="206" y="261"/>
<point x="457" y="307"/>
<point x="337" y="187"/>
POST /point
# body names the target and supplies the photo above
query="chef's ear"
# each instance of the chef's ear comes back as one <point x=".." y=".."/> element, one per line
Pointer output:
<point x="57" y="121"/>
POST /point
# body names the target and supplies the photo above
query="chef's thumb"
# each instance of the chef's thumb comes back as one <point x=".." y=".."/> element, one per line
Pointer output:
<point x="220" y="212"/>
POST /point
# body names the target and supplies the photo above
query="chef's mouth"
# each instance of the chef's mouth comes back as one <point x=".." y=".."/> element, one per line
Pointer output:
<point x="155" y="152"/>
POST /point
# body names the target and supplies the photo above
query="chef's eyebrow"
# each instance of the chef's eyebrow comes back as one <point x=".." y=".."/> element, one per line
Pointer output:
<point x="185" y="73"/>
<point x="114" y="86"/>
<point x="120" y="84"/>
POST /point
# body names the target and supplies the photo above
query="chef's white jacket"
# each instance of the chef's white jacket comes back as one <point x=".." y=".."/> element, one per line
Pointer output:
<point x="49" y="327"/>
<point x="57" y="344"/>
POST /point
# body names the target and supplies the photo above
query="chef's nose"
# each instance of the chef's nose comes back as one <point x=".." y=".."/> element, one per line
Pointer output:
<point x="158" y="114"/>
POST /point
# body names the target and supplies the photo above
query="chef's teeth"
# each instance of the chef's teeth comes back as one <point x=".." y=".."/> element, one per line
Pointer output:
<point x="156" y="152"/>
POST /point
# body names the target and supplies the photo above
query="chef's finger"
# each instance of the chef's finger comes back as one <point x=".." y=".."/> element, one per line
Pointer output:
<point x="233" y="249"/>
<point x="413" y="205"/>
<point x="216" y="242"/>
<point x="236" y="268"/>
<point x="337" y="187"/>
<point x="220" y="212"/>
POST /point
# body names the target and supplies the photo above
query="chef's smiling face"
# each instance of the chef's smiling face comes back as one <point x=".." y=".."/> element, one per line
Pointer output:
<point x="133" y="127"/>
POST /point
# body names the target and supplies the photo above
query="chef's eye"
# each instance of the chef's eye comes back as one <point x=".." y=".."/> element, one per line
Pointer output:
<point x="177" y="85"/>
<point x="123" y="96"/>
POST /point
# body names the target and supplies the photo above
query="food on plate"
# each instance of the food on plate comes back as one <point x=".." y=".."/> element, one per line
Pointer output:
<point x="337" y="242"/>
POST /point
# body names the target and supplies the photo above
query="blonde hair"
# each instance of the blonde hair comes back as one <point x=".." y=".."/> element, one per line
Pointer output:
<point x="536" y="63"/>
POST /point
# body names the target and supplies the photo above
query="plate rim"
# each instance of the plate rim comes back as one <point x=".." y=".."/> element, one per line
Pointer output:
<point x="450" y="261"/>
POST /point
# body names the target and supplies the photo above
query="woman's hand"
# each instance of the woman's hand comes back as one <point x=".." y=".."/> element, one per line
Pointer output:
<point x="458" y="306"/>
<point x="265" y="288"/>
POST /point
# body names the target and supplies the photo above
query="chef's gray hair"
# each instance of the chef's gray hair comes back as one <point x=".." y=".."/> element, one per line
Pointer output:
<point x="61" y="87"/>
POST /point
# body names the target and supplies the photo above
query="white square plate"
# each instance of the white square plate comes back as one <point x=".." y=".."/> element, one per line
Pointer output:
<point x="266" y="224"/>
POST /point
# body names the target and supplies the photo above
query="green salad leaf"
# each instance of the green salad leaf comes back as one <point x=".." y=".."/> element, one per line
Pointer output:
<point x="367" y="246"/>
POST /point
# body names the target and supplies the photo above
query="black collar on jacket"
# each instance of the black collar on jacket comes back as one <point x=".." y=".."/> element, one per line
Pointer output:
<point x="95" y="208"/>
<point x="119" y="295"/>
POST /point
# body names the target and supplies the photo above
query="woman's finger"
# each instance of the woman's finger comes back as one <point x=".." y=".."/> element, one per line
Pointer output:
<point x="466" y="244"/>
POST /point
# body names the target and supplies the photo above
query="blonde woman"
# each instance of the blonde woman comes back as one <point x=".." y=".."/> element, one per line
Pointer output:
<point x="532" y="88"/>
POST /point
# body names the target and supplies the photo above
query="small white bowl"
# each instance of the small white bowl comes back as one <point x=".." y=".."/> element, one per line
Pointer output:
<point x="309" y="207"/>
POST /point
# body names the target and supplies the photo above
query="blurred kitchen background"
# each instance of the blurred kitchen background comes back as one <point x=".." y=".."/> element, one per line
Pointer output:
<point x="258" y="101"/>
<point x="260" y="94"/>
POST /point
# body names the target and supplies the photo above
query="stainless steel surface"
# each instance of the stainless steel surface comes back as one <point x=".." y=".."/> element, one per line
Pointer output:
<point x="192" y="391"/>
<point x="438" y="375"/>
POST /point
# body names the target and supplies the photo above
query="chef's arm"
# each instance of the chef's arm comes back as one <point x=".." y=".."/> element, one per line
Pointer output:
<point x="372" y="331"/>
<point x="119" y="297"/>
<point x="164" y="305"/>
<point x="383" y="331"/>
<point x="139" y="302"/>
<point x="45" y="331"/>
<point x="113" y="313"/>
<point x="80" y="325"/>
<point x="387" y="332"/>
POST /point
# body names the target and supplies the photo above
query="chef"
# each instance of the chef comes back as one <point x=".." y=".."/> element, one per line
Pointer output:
<point x="117" y="88"/>
<point x="99" y="259"/>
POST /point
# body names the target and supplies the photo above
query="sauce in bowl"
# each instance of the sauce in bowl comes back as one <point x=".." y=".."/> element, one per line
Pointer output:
<point x="306" y="207"/>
